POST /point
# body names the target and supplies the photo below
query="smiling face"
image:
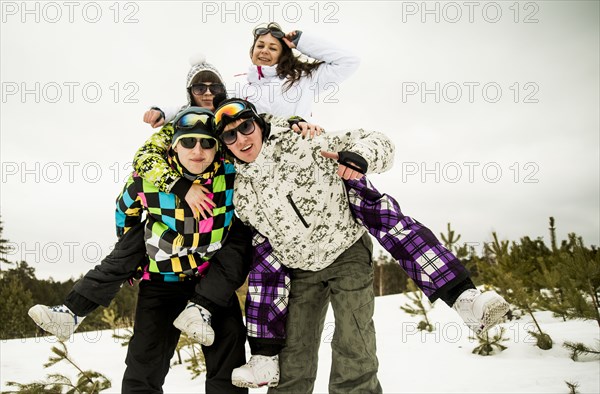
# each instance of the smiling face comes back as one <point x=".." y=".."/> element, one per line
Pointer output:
<point x="246" y="147"/>
<point x="266" y="51"/>
<point x="197" y="159"/>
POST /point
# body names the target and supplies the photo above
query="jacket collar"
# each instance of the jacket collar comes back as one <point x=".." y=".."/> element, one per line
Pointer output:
<point x="256" y="73"/>
<point x="209" y="173"/>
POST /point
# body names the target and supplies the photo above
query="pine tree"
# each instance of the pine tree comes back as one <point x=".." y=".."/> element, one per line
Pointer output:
<point x="121" y="327"/>
<point x="581" y="273"/>
<point x="378" y="275"/>
<point x="552" y="295"/>
<point x="570" y="279"/>
<point x="196" y="363"/>
<point x="418" y="307"/>
<point x="578" y="349"/>
<point x="552" y="234"/>
<point x="514" y="273"/>
<point x="450" y="240"/>
<point x="88" y="382"/>
<point x="20" y="289"/>
<point x="573" y="386"/>
<point x="388" y="276"/>
<point x="16" y="301"/>
<point x="488" y="346"/>
<point x="4" y="246"/>
<point x="464" y="253"/>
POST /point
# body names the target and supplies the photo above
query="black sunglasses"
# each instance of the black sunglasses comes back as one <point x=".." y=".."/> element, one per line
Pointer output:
<point x="261" y="31"/>
<point x="190" y="142"/>
<point x="201" y="88"/>
<point x="245" y="128"/>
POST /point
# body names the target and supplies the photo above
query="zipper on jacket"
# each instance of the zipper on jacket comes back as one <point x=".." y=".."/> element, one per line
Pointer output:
<point x="289" y="197"/>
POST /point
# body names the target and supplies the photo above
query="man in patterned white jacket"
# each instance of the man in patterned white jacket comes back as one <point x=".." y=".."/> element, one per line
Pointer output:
<point x="292" y="192"/>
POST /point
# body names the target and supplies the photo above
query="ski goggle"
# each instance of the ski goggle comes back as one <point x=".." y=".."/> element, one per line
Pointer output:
<point x="190" y="142"/>
<point x="233" y="111"/>
<point x="201" y="88"/>
<point x="192" y="120"/>
<point x="261" y="31"/>
<point x="245" y="128"/>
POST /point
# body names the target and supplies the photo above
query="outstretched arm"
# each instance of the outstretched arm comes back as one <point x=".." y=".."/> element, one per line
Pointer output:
<point x="159" y="116"/>
<point x="360" y="151"/>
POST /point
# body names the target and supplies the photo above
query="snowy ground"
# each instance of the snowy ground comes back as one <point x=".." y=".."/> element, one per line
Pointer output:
<point x="410" y="361"/>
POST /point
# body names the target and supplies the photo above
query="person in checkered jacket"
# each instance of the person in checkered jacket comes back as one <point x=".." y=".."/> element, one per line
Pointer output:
<point x="193" y="266"/>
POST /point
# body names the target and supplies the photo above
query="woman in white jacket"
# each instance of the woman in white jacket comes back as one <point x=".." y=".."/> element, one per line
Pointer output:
<point x="280" y="83"/>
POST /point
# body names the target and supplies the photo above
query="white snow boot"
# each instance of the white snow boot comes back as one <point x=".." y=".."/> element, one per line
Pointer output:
<point x="259" y="371"/>
<point x="57" y="320"/>
<point x="481" y="311"/>
<point x="194" y="320"/>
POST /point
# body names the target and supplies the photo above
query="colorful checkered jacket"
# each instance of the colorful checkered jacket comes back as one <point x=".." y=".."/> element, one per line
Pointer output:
<point x="176" y="242"/>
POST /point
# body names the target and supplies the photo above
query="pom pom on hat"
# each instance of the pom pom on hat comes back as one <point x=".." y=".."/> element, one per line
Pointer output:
<point x="197" y="58"/>
<point x="199" y="64"/>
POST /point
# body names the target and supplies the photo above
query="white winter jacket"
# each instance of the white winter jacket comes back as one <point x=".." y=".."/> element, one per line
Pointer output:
<point x="265" y="89"/>
<point x="294" y="197"/>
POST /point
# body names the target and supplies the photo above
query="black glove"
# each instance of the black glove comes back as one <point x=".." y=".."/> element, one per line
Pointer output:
<point x="353" y="161"/>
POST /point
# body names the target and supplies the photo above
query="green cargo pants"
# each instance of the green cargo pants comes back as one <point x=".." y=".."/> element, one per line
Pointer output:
<point x="348" y="284"/>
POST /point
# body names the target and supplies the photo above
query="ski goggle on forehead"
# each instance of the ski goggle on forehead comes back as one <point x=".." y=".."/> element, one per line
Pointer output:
<point x="233" y="111"/>
<point x="261" y="31"/>
<point x="192" y="120"/>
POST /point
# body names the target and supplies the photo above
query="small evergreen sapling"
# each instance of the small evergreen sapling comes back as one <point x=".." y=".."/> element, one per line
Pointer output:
<point x="109" y="317"/>
<point x="418" y="307"/>
<point x="196" y="363"/>
<point x="464" y="253"/>
<point x="578" y="349"/>
<point x="489" y="346"/>
<point x="514" y="273"/>
<point x="88" y="382"/>
<point x="573" y="386"/>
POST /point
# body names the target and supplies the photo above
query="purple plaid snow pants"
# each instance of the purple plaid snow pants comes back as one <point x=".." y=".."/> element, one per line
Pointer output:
<point x="426" y="261"/>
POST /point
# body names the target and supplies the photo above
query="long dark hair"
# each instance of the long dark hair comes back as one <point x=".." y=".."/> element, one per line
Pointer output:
<point x="289" y="65"/>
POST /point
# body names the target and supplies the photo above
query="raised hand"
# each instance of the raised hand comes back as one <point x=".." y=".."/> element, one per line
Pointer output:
<point x="289" y="37"/>
<point x="307" y="129"/>
<point x="154" y="118"/>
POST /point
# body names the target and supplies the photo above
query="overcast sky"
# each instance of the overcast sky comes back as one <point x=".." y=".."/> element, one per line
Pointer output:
<point x="493" y="107"/>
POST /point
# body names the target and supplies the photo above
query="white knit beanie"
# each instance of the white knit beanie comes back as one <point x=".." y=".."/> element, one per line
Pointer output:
<point x="199" y="64"/>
